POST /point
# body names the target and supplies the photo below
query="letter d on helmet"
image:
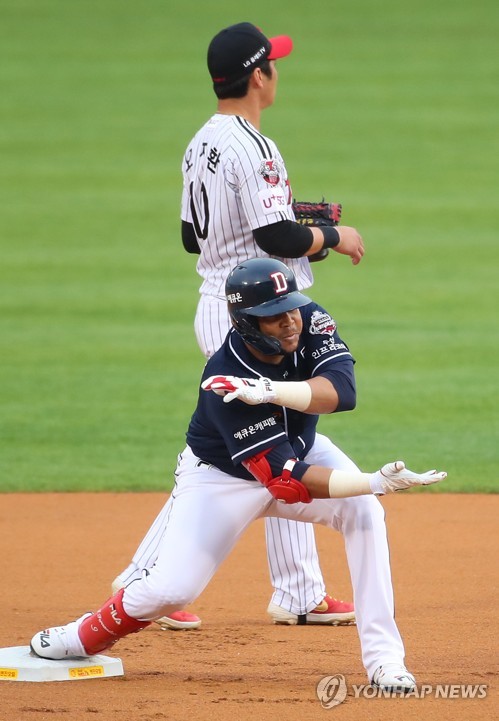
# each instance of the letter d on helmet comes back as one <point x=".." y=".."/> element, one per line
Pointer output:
<point x="258" y="288"/>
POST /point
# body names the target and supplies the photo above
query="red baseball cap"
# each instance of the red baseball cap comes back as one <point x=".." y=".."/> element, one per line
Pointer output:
<point x="235" y="51"/>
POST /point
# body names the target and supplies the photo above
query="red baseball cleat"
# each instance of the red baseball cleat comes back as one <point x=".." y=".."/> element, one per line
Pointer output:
<point x="330" y="612"/>
<point x="179" y="621"/>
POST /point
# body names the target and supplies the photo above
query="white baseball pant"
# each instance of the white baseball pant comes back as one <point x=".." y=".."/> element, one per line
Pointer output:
<point x="209" y="510"/>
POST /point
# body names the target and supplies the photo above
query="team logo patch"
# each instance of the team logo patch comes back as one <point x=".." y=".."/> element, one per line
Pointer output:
<point x="270" y="170"/>
<point x="321" y="323"/>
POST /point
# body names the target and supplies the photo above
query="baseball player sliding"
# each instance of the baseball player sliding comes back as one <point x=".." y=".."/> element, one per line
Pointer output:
<point x="236" y="205"/>
<point x="253" y="452"/>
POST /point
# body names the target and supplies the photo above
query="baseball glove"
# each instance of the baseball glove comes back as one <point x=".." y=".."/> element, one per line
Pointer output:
<point x="317" y="214"/>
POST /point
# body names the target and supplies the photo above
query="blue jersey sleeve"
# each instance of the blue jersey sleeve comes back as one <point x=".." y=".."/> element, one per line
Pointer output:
<point x="327" y="355"/>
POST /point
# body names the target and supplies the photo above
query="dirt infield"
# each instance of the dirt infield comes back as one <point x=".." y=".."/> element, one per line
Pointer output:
<point x="60" y="553"/>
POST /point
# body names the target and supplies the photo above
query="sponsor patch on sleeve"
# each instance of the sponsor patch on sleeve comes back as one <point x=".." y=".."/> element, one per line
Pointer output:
<point x="272" y="200"/>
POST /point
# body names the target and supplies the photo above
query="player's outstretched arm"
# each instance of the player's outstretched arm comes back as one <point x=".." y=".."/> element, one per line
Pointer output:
<point x="324" y="482"/>
<point x="317" y="395"/>
<point x="298" y="482"/>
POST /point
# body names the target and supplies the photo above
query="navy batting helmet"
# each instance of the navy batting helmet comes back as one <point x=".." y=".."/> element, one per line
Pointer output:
<point x="257" y="288"/>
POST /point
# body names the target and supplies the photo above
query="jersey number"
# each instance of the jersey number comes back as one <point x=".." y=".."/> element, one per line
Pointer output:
<point x="200" y="232"/>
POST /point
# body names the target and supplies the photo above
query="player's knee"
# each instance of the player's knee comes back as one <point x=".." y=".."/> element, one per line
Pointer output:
<point x="173" y="596"/>
<point x="156" y="595"/>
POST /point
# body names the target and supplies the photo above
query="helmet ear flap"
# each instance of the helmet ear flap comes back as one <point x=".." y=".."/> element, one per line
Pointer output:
<point x="248" y="328"/>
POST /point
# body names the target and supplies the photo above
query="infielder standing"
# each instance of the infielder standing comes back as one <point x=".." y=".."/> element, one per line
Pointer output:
<point x="236" y="205"/>
<point x="252" y="442"/>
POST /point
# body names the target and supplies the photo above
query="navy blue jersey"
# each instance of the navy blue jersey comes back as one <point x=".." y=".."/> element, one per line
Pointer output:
<point x="225" y="434"/>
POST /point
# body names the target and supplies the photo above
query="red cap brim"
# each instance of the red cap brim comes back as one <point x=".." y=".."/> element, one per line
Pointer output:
<point x="281" y="46"/>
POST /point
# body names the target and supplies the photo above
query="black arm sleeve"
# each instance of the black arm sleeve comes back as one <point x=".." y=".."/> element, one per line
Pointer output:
<point x="189" y="239"/>
<point x="286" y="239"/>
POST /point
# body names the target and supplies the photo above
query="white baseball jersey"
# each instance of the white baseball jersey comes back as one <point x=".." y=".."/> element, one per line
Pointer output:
<point x="235" y="181"/>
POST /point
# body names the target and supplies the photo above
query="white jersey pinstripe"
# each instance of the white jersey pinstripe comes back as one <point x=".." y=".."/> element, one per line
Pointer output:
<point x="235" y="181"/>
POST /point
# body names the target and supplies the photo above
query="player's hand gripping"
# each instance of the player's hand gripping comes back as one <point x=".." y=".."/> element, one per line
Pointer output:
<point x="252" y="391"/>
<point x="396" y="477"/>
<point x="351" y="243"/>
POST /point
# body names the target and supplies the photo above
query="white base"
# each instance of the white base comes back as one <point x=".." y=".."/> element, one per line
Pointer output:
<point x="19" y="664"/>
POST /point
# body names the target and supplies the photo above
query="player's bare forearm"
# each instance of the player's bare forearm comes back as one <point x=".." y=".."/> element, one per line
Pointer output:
<point x="316" y="481"/>
<point x="317" y="243"/>
<point x="324" y="397"/>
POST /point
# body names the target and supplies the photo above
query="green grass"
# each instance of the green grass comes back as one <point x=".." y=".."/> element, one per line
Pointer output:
<point x="391" y="109"/>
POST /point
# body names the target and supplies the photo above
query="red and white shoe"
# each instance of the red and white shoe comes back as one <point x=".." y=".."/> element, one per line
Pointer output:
<point x="179" y="621"/>
<point x="330" y="612"/>
<point x="176" y="621"/>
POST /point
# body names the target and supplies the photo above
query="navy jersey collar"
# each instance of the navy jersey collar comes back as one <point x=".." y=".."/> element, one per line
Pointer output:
<point x="238" y="349"/>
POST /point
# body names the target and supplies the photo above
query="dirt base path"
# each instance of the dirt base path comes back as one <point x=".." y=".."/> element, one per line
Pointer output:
<point x="60" y="552"/>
